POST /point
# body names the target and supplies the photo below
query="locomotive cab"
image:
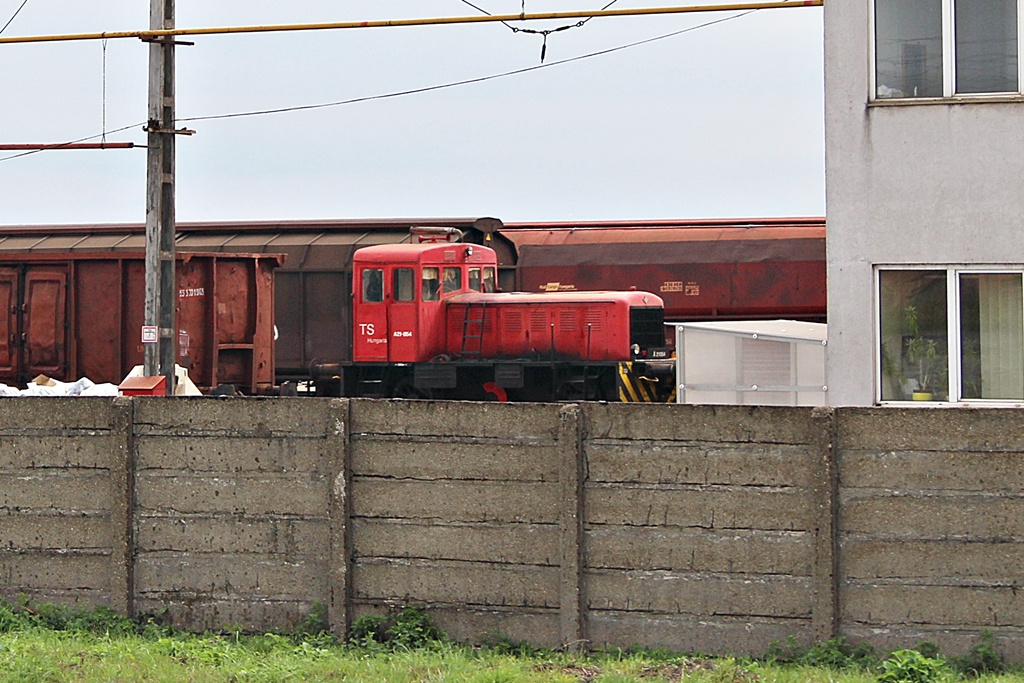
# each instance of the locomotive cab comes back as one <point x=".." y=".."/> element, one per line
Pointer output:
<point x="400" y="292"/>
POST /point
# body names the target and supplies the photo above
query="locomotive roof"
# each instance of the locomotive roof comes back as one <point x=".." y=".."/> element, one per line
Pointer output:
<point x="630" y="297"/>
<point x="430" y="251"/>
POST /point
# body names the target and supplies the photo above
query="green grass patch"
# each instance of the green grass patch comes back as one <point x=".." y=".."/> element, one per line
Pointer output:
<point x="45" y="643"/>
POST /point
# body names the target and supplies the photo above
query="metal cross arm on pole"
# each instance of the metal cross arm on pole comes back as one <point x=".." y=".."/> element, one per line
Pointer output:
<point x="154" y="34"/>
<point x="38" y="147"/>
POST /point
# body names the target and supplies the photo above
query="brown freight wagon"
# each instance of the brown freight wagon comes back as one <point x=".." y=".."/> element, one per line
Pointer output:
<point x="70" y="315"/>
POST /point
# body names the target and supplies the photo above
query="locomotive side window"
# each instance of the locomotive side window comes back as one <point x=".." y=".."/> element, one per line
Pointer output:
<point x="452" y="280"/>
<point x="431" y="284"/>
<point x="373" y="285"/>
<point x="489" y="280"/>
<point x="402" y="284"/>
<point x="474" y="279"/>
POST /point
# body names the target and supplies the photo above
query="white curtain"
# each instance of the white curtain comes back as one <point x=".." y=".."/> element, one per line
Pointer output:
<point x="1001" y="318"/>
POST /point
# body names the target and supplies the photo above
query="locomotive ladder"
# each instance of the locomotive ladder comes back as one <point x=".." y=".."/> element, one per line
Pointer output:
<point x="468" y="350"/>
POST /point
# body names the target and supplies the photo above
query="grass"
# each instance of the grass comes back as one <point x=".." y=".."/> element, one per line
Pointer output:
<point x="66" y="645"/>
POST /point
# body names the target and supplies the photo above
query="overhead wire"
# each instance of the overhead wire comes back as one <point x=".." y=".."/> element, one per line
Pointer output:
<point x="468" y="81"/>
<point x="541" y="32"/>
<point x="16" y="12"/>
<point x="415" y="91"/>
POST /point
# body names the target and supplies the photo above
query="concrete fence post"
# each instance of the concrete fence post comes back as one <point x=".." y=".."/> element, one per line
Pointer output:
<point x="122" y="508"/>
<point x="338" y="450"/>
<point x="571" y="475"/>
<point x="825" y="608"/>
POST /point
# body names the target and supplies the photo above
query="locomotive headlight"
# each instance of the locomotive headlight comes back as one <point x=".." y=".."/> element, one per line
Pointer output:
<point x="636" y="349"/>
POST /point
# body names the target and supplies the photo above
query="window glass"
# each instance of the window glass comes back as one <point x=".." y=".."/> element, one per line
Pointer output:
<point x="986" y="46"/>
<point x="914" y="335"/>
<point x="908" y="48"/>
<point x="489" y="280"/>
<point x="991" y="336"/>
<point x="431" y="284"/>
<point x="402" y="284"/>
<point x="373" y="285"/>
<point x="474" y="279"/>
<point x="452" y="280"/>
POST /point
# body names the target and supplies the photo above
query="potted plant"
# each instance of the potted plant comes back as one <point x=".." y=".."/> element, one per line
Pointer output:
<point x="924" y="360"/>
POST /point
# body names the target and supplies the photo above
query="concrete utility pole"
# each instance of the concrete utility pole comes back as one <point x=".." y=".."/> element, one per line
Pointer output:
<point x="161" y="299"/>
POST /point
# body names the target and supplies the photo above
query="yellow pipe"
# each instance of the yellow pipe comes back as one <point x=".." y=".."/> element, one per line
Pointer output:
<point x="146" y="35"/>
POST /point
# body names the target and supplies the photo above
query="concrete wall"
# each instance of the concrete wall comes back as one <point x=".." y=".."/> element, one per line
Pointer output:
<point x="697" y="528"/>
<point x="920" y="183"/>
<point x="931" y="527"/>
<point x="65" y="500"/>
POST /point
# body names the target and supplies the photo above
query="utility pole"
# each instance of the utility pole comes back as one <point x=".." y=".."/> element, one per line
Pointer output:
<point x="160" y="278"/>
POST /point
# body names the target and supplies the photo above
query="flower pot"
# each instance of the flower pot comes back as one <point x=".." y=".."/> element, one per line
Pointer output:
<point x="922" y="396"/>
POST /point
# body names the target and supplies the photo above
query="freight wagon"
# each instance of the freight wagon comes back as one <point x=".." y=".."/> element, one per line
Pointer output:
<point x="74" y="314"/>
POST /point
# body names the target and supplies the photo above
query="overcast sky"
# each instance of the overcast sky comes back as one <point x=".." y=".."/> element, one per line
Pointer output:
<point x="720" y="121"/>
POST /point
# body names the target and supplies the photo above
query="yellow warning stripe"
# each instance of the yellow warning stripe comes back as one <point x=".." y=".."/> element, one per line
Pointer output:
<point x="632" y="389"/>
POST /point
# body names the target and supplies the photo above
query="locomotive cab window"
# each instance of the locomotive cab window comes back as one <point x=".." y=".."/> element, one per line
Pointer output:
<point x="373" y="285"/>
<point x="452" y="280"/>
<point x="402" y="284"/>
<point x="431" y="284"/>
<point x="489" y="280"/>
<point x="474" y="279"/>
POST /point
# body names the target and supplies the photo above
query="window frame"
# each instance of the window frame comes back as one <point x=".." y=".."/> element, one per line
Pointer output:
<point x="948" y="62"/>
<point x="953" y="331"/>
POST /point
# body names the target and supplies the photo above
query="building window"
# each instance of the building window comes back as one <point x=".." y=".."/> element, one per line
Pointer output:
<point x="941" y="48"/>
<point x="951" y="334"/>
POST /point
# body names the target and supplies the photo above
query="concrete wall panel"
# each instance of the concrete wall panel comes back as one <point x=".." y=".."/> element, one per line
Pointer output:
<point x="523" y="422"/>
<point x="534" y="544"/>
<point x="719" y="508"/>
<point x="709" y="424"/>
<point x="699" y="550"/>
<point x="453" y="458"/>
<point x="461" y="501"/>
<point x="703" y="595"/>
<point x="226" y="493"/>
<point x="64" y="500"/>
<point x="704" y="464"/>
<point x="456" y="583"/>
<point x="234" y="534"/>
<point x="740" y="636"/>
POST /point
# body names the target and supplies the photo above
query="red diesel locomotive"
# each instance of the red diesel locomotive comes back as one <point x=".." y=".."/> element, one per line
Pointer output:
<point x="428" y="321"/>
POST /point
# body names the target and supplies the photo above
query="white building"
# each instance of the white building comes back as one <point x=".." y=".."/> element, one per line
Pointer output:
<point x="924" y="121"/>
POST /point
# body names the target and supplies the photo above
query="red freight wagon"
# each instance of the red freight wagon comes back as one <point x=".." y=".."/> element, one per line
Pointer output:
<point x="72" y="315"/>
<point x="713" y="269"/>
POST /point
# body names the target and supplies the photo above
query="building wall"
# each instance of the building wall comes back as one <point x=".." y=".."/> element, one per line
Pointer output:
<point x="716" y="529"/>
<point x="905" y="184"/>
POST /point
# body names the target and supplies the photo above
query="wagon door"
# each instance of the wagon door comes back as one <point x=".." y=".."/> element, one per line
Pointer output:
<point x="45" y="322"/>
<point x="9" y="333"/>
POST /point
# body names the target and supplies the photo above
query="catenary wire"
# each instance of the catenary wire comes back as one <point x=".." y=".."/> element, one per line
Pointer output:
<point x="415" y="91"/>
<point x="544" y="33"/>
<point x="16" y="12"/>
<point x="468" y="81"/>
